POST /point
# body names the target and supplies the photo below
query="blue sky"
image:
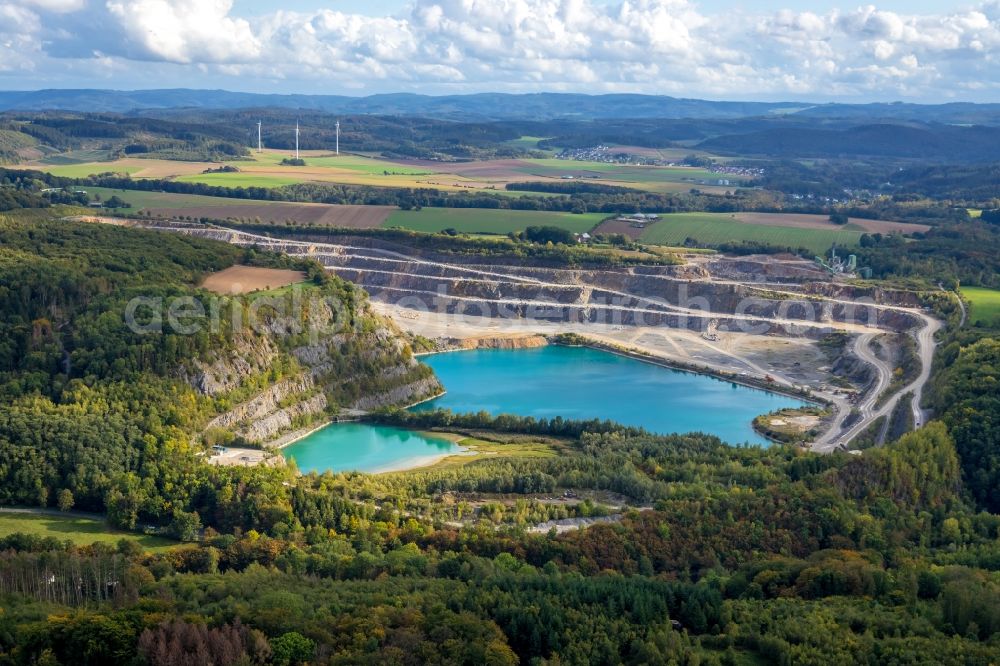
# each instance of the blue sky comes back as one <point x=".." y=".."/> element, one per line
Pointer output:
<point x="377" y="7"/>
<point x="722" y="49"/>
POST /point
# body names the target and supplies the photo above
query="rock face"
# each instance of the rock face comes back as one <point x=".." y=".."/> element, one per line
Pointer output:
<point x="612" y="296"/>
<point x="249" y="356"/>
<point x="282" y="420"/>
<point x="264" y="403"/>
<point x="406" y="394"/>
<point x="501" y="342"/>
<point x="285" y="375"/>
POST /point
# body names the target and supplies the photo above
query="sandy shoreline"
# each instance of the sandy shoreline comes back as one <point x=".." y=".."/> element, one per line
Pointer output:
<point x="421" y="461"/>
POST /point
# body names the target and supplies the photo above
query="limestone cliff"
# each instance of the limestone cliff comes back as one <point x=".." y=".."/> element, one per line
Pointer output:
<point x="502" y="342"/>
<point x="298" y="365"/>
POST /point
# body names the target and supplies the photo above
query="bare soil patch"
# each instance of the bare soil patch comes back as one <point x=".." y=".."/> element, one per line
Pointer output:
<point x="618" y="227"/>
<point x="320" y="215"/>
<point x="804" y="221"/>
<point x="245" y="279"/>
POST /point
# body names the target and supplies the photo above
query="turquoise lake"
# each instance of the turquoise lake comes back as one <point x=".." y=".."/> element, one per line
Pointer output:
<point x="572" y="382"/>
<point x="365" y="448"/>
<point x="582" y="383"/>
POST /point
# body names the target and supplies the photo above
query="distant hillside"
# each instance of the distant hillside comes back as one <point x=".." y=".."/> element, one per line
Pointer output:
<point x="108" y="136"/>
<point x="937" y="142"/>
<point x="956" y="113"/>
<point x="487" y="106"/>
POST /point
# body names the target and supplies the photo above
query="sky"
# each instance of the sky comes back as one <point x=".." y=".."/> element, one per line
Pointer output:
<point x="913" y="50"/>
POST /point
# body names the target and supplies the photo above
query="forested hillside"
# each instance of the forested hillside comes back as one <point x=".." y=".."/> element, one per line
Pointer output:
<point x="108" y="136"/>
<point x="933" y="142"/>
<point x="707" y="554"/>
<point x="115" y="414"/>
<point x="743" y="554"/>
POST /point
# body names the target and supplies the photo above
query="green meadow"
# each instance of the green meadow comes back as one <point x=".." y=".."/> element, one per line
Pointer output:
<point x="350" y="162"/>
<point x="985" y="305"/>
<point x="238" y="179"/>
<point x="140" y="199"/>
<point x="87" y="169"/>
<point x="79" y="530"/>
<point x="718" y="228"/>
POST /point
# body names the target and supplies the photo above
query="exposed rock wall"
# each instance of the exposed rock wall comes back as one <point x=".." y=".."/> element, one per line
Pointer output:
<point x="273" y="424"/>
<point x="406" y="394"/>
<point x="501" y="342"/>
<point x="249" y="355"/>
<point x="362" y="364"/>
<point x="264" y="403"/>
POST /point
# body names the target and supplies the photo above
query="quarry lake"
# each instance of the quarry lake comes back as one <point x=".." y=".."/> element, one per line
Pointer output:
<point x="572" y="382"/>
<point x="366" y="448"/>
<point x="582" y="383"/>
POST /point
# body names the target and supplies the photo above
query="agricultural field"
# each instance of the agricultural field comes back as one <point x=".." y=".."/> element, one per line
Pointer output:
<point x="141" y="200"/>
<point x="247" y="279"/>
<point x="82" y="531"/>
<point x="718" y="228"/>
<point x="488" y="220"/>
<point x="89" y="168"/>
<point x="350" y="162"/>
<point x="168" y="204"/>
<point x="245" y="179"/>
<point x="648" y="178"/>
<point x="265" y="170"/>
<point x="822" y="222"/>
<point x="985" y="305"/>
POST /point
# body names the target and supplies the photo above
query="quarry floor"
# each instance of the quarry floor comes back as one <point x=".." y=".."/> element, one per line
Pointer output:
<point x="790" y="361"/>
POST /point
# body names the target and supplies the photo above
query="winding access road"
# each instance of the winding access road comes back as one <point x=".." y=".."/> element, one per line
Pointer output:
<point x="835" y="437"/>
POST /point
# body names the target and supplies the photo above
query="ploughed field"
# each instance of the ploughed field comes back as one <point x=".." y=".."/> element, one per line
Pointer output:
<point x="246" y="279"/>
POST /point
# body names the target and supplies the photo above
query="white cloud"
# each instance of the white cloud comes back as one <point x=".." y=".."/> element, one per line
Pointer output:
<point x="185" y="31"/>
<point x="17" y="47"/>
<point x="669" y="46"/>
<point x="56" y="6"/>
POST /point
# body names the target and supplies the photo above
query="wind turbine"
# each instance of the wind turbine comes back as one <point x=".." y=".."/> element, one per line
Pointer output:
<point x="296" y="139"/>
<point x="338" y="136"/>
